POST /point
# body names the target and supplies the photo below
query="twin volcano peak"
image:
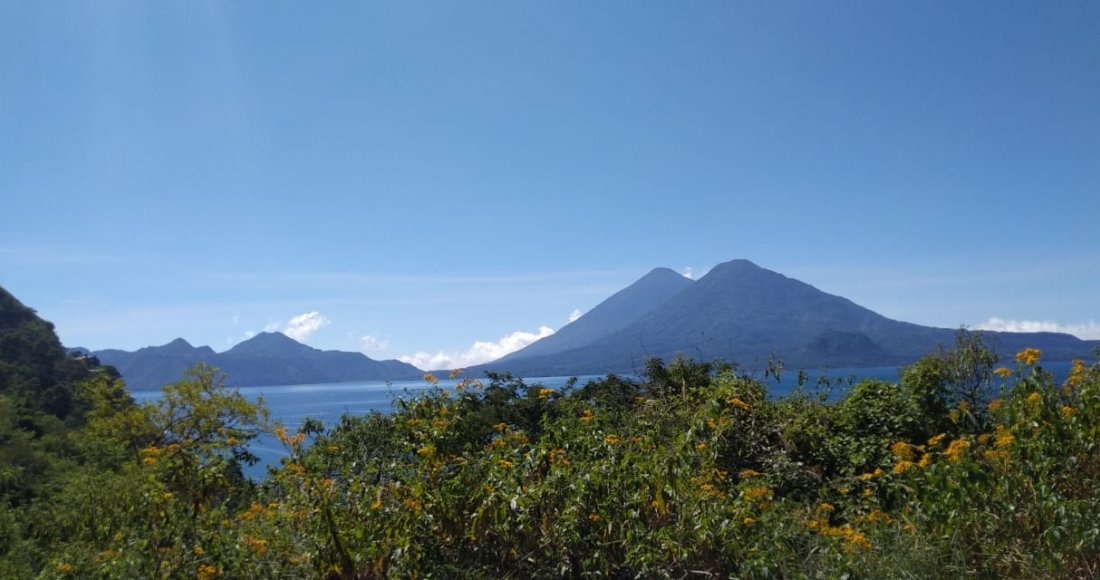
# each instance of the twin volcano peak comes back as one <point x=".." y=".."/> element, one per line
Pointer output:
<point x="743" y="313"/>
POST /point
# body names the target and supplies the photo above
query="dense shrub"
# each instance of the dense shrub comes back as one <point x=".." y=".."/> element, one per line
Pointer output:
<point x="960" y="469"/>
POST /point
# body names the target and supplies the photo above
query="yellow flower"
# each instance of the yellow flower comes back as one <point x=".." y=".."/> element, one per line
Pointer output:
<point x="993" y="456"/>
<point x="869" y="476"/>
<point x="594" y="517"/>
<point x="996" y="404"/>
<point x="430" y="378"/>
<point x="455" y="373"/>
<point x="612" y="439"/>
<point x="149" y="461"/>
<point x="936" y="440"/>
<point x="761" y="493"/>
<point x="737" y="402"/>
<point x="1076" y="373"/>
<point x="747" y="473"/>
<point x="296" y="440"/>
<point x="903" y="466"/>
<point x="1068" y="411"/>
<point x="856" y="539"/>
<point x="700" y="446"/>
<point x="984" y="438"/>
<point x="956" y="449"/>
<point x="1034" y="398"/>
<point x="505" y="464"/>
<point x="256" y="544"/>
<point x="1003" y="438"/>
<point x="902" y="450"/>
<point x="1029" y="356"/>
<point x="852" y="538"/>
<point x="1003" y="372"/>
<point x="545" y="393"/>
<point x="295" y="469"/>
<point x="167" y="495"/>
<point x="748" y="521"/>
<point x="198" y="551"/>
<point x="207" y="572"/>
<point x="826" y="507"/>
<point x="925" y="460"/>
<point x="587" y="416"/>
<point x="500" y="426"/>
<point x="65" y="568"/>
<point x="875" y="516"/>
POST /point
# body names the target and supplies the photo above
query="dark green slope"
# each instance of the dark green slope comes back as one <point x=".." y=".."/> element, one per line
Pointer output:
<point x="35" y="369"/>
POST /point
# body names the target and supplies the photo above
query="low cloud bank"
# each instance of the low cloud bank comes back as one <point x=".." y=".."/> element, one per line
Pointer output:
<point x="300" y="328"/>
<point x="303" y="326"/>
<point x="480" y="352"/>
<point x="374" y="344"/>
<point x="1086" y="330"/>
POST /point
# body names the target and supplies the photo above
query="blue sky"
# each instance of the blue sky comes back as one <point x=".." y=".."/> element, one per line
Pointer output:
<point x="434" y="174"/>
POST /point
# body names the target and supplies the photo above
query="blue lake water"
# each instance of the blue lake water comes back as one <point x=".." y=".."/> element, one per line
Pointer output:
<point x="293" y="404"/>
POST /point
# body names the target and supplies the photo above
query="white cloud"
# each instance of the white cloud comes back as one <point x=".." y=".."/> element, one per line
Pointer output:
<point x="1086" y="330"/>
<point x="372" y="343"/>
<point x="303" y="326"/>
<point x="575" y="315"/>
<point x="249" y="334"/>
<point x="236" y="319"/>
<point x="272" y="327"/>
<point x="480" y="352"/>
<point x="690" y="273"/>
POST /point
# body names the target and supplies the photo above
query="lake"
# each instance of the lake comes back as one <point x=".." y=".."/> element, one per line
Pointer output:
<point x="292" y="404"/>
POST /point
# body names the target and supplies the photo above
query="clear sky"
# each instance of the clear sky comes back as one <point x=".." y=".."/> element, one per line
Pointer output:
<point x="410" y="177"/>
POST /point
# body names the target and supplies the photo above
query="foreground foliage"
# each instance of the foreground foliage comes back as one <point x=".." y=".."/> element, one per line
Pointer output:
<point x="961" y="468"/>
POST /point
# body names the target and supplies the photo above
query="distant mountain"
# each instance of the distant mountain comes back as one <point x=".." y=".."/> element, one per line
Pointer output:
<point x="617" y="312"/>
<point x="742" y="312"/>
<point x="269" y="358"/>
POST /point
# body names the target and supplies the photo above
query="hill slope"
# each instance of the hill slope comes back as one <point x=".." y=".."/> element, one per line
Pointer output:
<point x="36" y="372"/>
<point x="611" y="315"/>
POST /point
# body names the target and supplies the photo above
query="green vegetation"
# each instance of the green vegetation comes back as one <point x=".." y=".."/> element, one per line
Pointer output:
<point x="962" y="468"/>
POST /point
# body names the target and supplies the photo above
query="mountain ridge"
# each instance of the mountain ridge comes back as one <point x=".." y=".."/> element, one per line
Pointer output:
<point x="266" y="359"/>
